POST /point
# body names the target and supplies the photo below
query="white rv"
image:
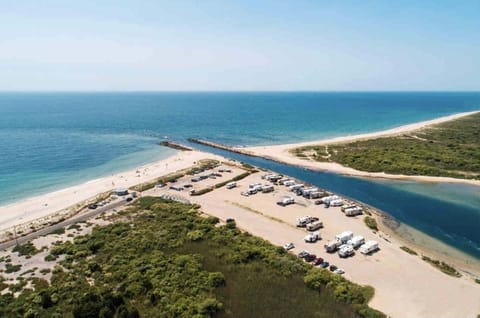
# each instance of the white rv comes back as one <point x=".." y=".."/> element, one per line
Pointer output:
<point x="297" y="186"/>
<point x="316" y="194"/>
<point x="286" y="201"/>
<point x="304" y="220"/>
<point x="312" y="237"/>
<point x="313" y="226"/>
<point x="369" y="247"/>
<point x="356" y="241"/>
<point x="289" y="183"/>
<point x="353" y="211"/>
<point x="338" y="202"/>
<point x="331" y="246"/>
<point x="344" y="236"/>
<point x="267" y="188"/>
<point x="345" y="251"/>
<point x="328" y="199"/>
<point x="231" y="185"/>
<point x="348" y="207"/>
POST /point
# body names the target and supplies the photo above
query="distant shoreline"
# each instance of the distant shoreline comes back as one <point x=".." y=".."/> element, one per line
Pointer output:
<point x="280" y="153"/>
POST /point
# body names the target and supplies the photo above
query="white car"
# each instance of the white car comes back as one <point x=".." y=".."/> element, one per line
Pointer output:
<point x="339" y="271"/>
<point x="288" y="246"/>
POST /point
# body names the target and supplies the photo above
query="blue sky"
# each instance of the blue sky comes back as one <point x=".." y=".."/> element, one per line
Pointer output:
<point x="242" y="45"/>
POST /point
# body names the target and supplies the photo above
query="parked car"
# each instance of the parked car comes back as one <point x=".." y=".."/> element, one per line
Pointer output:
<point x="310" y="258"/>
<point x="317" y="261"/>
<point x="339" y="271"/>
<point x="303" y="253"/>
<point x="324" y="264"/>
<point x="92" y="206"/>
<point x="333" y="268"/>
<point x="129" y="199"/>
<point x="288" y="246"/>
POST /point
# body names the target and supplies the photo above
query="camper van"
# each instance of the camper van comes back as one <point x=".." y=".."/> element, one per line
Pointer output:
<point x="267" y="188"/>
<point x="304" y="220"/>
<point x="296" y="187"/>
<point x="289" y="183"/>
<point x="338" y="202"/>
<point x="348" y="207"/>
<point x="346" y="250"/>
<point x="356" y="241"/>
<point x="231" y="185"/>
<point x="316" y="194"/>
<point x="313" y="226"/>
<point x="286" y="201"/>
<point x="312" y="237"/>
<point x="331" y="246"/>
<point x="369" y="247"/>
<point x="344" y="236"/>
<point x="353" y="211"/>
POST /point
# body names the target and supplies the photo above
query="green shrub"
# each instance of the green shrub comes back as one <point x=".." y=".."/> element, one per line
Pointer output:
<point x="9" y="268"/>
<point x="408" y="250"/>
<point x="445" y="268"/>
<point x="371" y="223"/>
<point x="26" y="249"/>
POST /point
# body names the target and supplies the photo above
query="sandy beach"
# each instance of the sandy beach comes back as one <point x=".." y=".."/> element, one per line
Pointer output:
<point x="28" y="210"/>
<point x="281" y="153"/>
<point x="405" y="285"/>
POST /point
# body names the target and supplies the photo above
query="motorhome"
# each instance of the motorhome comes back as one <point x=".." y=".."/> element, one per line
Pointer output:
<point x="296" y="187"/>
<point x="356" y="241"/>
<point x="231" y="185"/>
<point x="353" y="211"/>
<point x="348" y="207"/>
<point x="346" y="250"/>
<point x="313" y="226"/>
<point x="344" y="236"/>
<point x="267" y="188"/>
<point x="328" y="199"/>
<point x="306" y="191"/>
<point x="316" y="194"/>
<point x="286" y="201"/>
<point x="338" y="202"/>
<point x="289" y="183"/>
<point x="331" y="246"/>
<point x="304" y="220"/>
<point x="369" y="247"/>
<point x="312" y="237"/>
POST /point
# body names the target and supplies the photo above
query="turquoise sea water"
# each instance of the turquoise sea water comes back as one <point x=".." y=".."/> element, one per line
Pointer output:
<point x="52" y="140"/>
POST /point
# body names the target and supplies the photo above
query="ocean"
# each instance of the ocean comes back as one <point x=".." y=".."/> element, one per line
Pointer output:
<point x="54" y="140"/>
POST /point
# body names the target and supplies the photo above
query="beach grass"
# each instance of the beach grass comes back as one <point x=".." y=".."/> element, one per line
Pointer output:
<point x="408" y="250"/>
<point x="450" y="149"/>
<point x="442" y="266"/>
<point x="371" y="223"/>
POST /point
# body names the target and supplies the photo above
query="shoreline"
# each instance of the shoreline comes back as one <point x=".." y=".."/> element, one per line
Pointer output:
<point x="280" y="153"/>
<point x="28" y="210"/>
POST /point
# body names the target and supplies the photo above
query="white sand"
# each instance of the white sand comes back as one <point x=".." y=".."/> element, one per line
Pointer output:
<point x="405" y="286"/>
<point x="281" y="152"/>
<point x="27" y="210"/>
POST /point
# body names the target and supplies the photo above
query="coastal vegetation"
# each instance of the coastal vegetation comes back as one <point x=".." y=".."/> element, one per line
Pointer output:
<point x="200" y="166"/>
<point x="26" y="249"/>
<point x="408" y="250"/>
<point x="164" y="259"/>
<point x="450" y="149"/>
<point x="221" y="184"/>
<point x="371" y="223"/>
<point x="447" y="269"/>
